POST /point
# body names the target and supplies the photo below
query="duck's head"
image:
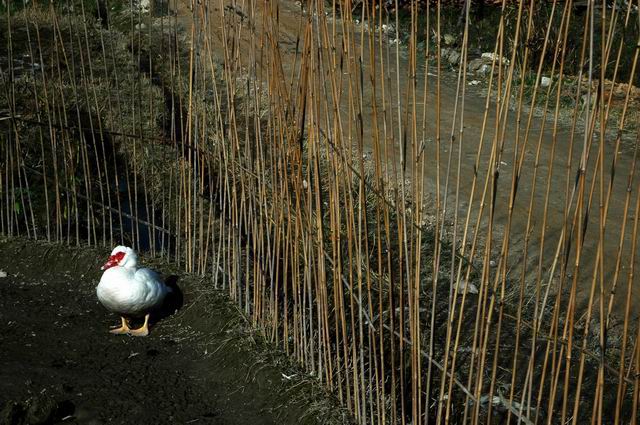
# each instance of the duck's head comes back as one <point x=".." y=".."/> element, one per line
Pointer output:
<point x="122" y="256"/>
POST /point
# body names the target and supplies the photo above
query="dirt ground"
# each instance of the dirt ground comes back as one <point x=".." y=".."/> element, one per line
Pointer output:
<point x="545" y="149"/>
<point x="200" y="365"/>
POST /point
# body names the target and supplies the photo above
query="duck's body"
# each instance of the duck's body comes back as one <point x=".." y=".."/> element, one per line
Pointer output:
<point x="128" y="291"/>
<point x="131" y="292"/>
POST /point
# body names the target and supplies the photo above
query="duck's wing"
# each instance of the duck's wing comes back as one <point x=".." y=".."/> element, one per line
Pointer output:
<point x="152" y="280"/>
<point x="147" y="275"/>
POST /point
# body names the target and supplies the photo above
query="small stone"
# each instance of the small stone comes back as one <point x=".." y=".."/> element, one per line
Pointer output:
<point x="489" y="57"/>
<point x="484" y="69"/>
<point x="467" y="288"/>
<point x="454" y="57"/>
<point x="144" y="5"/>
<point x="449" y="39"/>
<point x="475" y="65"/>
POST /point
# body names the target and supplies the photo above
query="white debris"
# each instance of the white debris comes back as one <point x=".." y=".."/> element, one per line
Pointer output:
<point x="144" y="5"/>
<point x="490" y="57"/>
<point x="465" y="287"/>
<point x="388" y="29"/>
<point x="3" y="273"/>
<point x="474" y="82"/>
<point x="484" y="69"/>
<point x="545" y="82"/>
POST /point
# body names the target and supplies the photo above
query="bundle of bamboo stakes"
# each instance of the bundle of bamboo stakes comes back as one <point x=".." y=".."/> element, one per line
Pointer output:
<point x="430" y="251"/>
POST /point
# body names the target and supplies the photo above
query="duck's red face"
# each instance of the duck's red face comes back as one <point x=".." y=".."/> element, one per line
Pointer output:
<point x="113" y="260"/>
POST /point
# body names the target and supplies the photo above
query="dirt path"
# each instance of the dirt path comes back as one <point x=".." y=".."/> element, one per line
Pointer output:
<point x="543" y="151"/>
<point x="200" y="365"/>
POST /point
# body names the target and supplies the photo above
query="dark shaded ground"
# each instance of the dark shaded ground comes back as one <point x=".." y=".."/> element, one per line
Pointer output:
<point x="199" y="365"/>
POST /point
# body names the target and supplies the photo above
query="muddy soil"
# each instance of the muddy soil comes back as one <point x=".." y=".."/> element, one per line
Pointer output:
<point x="199" y="365"/>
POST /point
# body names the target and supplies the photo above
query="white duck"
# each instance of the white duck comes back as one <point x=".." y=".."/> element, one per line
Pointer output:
<point x="129" y="291"/>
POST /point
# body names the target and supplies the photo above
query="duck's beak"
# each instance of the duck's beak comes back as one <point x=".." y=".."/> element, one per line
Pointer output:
<point x="110" y="263"/>
<point x="114" y="260"/>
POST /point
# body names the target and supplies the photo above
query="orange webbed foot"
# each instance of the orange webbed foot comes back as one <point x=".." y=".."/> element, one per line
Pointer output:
<point x="124" y="329"/>
<point x="142" y="331"/>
